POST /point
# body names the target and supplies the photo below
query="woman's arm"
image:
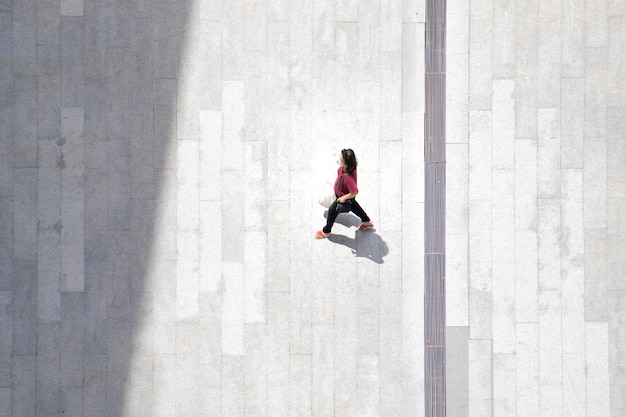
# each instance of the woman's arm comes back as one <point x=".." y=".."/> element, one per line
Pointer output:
<point x="345" y="197"/>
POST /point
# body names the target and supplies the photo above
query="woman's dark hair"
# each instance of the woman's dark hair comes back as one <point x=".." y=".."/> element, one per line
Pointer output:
<point x="349" y="159"/>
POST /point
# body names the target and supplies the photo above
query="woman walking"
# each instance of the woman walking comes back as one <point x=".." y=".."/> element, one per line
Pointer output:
<point x="345" y="190"/>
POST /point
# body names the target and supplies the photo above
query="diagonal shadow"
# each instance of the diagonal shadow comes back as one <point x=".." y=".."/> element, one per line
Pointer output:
<point x="365" y="244"/>
<point x="88" y="105"/>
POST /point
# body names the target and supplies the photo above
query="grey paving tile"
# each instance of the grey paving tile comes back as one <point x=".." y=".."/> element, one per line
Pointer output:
<point x="481" y="312"/>
<point x="368" y="384"/>
<point x="526" y="276"/>
<point x="144" y="181"/>
<point x="390" y="216"/>
<point x="480" y="57"/>
<point x="95" y="385"/>
<point x="233" y="41"/>
<point x="549" y="54"/>
<point x="72" y="342"/>
<point x="210" y="155"/>
<point x="165" y="44"/>
<point x="574" y="383"/>
<point x="391" y="100"/>
<point x="457" y="171"/>
<point x="72" y="7"/>
<point x="24" y="308"/>
<point x="210" y="247"/>
<point x="549" y="243"/>
<point x="572" y="50"/>
<point x="550" y="341"/>
<point x="345" y="353"/>
<point x="95" y="154"/>
<point x="548" y="153"/>
<point x="6" y="328"/>
<point x="72" y="68"/>
<point x="479" y="158"/>
<point x="255" y="401"/>
<point x="6" y="247"/>
<point x="300" y="373"/>
<point x="572" y="122"/>
<point x="391" y="18"/>
<point x="414" y="10"/>
<point x="597" y="363"/>
<point x="141" y="63"/>
<point x="24" y="38"/>
<point x="232" y="209"/>
<point x="617" y="93"/>
<point x="527" y="369"/>
<point x="572" y="252"/>
<point x="24" y="403"/>
<point x="457" y="267"/>
<point x="596" y="275"/>
<point x="596" y="24"/>
<point x="615" y="242"/>
<point x="255" y="204"/>
<point x="323" y="379"/>
<point x="233" y="385"/>
<point x="504" y="385"/>
<point x="278" y="354"/>
<point x="95" y="223"/>
<point x="504" y="62"/>
<point x="72" y="234"/>
<point x="48" y="353"/>
<point x="277" y="10"/>
<point x="480" y="245"/>
<point x="233" y="309"/>
<point x="49" y="276"/>
<point x="187" y="361"/>
<point x="457" y="32"/>
<point x="164" y="392"/>
<point x="141" y="236"/>
<point x="5" y="401"/>
<point x="255" y="277"/>
<point x="390" y="367"/>
<point x="48" y="22"/>
<point x="278" y="65"/>
<point x="526" y="172"/>
<point x="97" y="281"/>
<point x="24" y="122"/>
<point x="300" y="302"/>
<point x="596" y="92"/>
<point x="503" y="114"/>
<point x="25" y="213"/>
<point x="346" y="42"/>
<point x="457" y="370"/>
<point x="346" y="10"/>
<point x="119" y="204"/>
<point x="119" y="294"/>
<point x="48" y="106"/>
<point x="118" y="354"/>
<point x="480" y="377"/>
<point x="368" y="305"/>
<point x="504" y="307"/>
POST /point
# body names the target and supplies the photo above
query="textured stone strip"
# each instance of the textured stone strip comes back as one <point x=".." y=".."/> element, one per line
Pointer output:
<point x="434" y="218"/>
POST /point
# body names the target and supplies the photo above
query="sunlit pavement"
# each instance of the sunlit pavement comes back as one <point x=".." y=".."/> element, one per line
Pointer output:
<point x="160" y="168"/>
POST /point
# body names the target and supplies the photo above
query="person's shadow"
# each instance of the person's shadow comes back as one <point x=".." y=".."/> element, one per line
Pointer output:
<point x="366" y="243"/>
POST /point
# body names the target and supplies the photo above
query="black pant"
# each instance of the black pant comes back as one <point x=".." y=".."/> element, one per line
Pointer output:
<point x="353" y="207"/>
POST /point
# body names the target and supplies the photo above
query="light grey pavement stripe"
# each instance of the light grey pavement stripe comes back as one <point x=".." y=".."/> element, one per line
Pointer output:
<point x="434" y="219"/>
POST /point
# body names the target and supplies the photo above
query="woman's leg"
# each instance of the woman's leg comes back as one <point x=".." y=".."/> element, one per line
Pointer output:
<point x="332" y="216"/>
<point x="358" y="210"/>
